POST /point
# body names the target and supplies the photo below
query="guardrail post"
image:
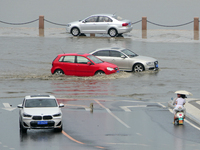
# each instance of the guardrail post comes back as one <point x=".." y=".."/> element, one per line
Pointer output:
<point x="196" y="28"/>
<point x="144" y="27"/>
<point x="41" y="25"/>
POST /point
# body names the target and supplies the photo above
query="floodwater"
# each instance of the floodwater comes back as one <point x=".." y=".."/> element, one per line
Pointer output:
<point x="26" y="62"/>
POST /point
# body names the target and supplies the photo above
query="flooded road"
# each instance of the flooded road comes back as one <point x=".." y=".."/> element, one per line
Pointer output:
<point x="25" y="70"/>
<point x="26" y="63"/>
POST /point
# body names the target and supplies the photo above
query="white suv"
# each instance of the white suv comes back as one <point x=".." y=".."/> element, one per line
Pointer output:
<point x="40" y="112"/>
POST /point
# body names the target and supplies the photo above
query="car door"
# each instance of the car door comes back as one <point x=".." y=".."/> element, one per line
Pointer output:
<point x="89" y="25"/>
<point x="68" y="65"/>
<point x="103" y="24"/>
<point x="119" y="59"/>
<point x="83" y="68"/>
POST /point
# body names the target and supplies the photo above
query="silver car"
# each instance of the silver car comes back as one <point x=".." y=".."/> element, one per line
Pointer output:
<point x="100" y="23"/>
<point x="126" y="60"/>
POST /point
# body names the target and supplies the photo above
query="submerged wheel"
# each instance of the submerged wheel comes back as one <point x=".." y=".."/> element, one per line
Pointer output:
<point x="112" y="32"/>
<point x="75" y="31"/>
<point x="138" y="68"/>
<point x="58" y="72"/>
<point x="100" y="73"/>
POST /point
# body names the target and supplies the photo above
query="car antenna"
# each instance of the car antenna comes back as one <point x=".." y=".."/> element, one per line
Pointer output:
<point x="62" y="50"/>
<point x="114" y="13"/>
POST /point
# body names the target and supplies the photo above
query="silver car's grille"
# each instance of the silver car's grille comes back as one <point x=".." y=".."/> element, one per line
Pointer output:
<point x="47" y="117"/>
<point x="37" y="118"/>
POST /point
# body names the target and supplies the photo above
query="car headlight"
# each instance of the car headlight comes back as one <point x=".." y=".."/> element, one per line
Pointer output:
<point x="110" y="69"/>
<point x="150" y="63"/>
<point x="57" y="115"/>
<point x="26" y="115"/>
<point x="68" y="25"/>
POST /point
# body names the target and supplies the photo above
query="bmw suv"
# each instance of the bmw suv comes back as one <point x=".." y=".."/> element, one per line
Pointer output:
<point x="40" y="112"/>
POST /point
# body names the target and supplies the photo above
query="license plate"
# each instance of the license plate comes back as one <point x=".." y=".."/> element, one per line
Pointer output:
<point x="42" y="122"/>
<point x="157" y="66"/>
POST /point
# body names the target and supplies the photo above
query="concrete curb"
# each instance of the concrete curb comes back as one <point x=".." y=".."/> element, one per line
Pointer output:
<point x="188" y="114"/>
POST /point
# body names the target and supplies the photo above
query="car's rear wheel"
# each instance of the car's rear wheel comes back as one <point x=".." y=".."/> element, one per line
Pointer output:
<point x="22" y="129"/>
<point x="75" y="31"/>
<point x="112" y="32"/>
<point x="58" y="72"/>
<point x="100" y="73"/>
<point x="138" y="68"/>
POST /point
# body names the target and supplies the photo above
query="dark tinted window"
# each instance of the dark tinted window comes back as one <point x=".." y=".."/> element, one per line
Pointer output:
<point x="102" y="53"/>
<point x="115" y="54"/>
<point x="40" y="103"/>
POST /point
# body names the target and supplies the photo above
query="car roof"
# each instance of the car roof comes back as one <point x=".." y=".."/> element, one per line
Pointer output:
<point x="110" y="48"/>
<point x="76" y="54"/>
<point x="39" y="96"/>
<point x="110" y="15"/>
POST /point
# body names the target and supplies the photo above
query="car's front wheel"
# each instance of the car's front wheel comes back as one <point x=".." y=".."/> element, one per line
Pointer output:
<point x="58" y="129"/>
<point x="100" y="73"/>
<point x="58" y="72"/>
<point x="22" y="129"/>
<point x="75" y="31"/>
<point x="138" y="68"/>
<point x="112" y="32"/>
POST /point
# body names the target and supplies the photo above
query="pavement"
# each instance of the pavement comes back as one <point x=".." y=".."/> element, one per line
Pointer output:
<point x="192" y="109"/>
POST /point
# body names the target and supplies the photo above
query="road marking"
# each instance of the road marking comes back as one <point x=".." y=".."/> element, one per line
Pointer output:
<point x="162" y="105"/>
<point x="187" y="121"/>
<point x="108" y="110"/>
<point x="7" y="107"/>
<point x="84" y="106"/>
<point x="125" y="108"/>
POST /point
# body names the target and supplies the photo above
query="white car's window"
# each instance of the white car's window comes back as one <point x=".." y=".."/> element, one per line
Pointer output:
<point x="95" y="59"/>
<point x="129" y="53"/>
<point x="69" y="59"/>
<point x="117" y="17"/>
<point x="102" y="53"/>
<point x="104" y="19"/>
<point x="91" y="19"/>
<point x="40" y="103"/>
<point x="82" y="60"/>
<point x="115" y="54"/>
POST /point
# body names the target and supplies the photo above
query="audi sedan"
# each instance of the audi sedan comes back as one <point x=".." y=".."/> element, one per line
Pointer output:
<point x="40" y="112"/>
<point x="126" y="60"/>
<point x="100" y="23"/>
<point x="77" y="64"/>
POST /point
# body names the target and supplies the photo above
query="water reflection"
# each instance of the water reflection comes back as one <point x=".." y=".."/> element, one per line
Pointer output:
<point x="83" y="88"/>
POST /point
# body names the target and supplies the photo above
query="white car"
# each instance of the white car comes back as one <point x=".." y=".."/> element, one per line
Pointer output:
<point x="125" y="59"/>
<point x="40" y="112"/>
<point x="100" y="23"/>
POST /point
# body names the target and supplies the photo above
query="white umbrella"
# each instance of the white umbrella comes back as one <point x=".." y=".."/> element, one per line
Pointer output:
<point x="183" y="92"/>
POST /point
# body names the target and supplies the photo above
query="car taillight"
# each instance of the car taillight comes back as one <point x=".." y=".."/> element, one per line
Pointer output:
<point x="125" y="24"/>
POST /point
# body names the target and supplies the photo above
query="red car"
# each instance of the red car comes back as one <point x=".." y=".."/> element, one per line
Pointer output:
<point x="81" y="65"/>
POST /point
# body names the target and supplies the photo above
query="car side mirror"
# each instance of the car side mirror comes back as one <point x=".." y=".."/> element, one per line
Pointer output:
<point x="89" y="63"/>
<point x="19" y="106"/>
<point x="61" y="105"/>
<point x="123" y="56"/>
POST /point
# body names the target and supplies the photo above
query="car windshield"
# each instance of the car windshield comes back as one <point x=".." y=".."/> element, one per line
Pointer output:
<point x="117" y="17"/>
<point x="95" y="59"/>
<point x="40" y="103"/>
<point x="129" y="53"/>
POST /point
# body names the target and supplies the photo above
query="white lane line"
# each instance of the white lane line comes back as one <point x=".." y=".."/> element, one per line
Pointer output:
<point x="108" y="110"/>
<point x="125" y="108"/>
<point x="187" y="121"/>
<point x="7" y="107"/>
<point x="162" y="105"/>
